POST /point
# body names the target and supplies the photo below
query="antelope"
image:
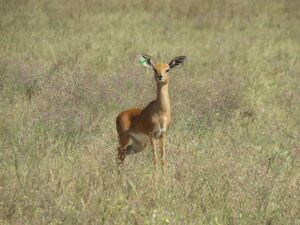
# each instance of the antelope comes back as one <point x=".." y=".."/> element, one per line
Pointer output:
<point x="147" y="125"/>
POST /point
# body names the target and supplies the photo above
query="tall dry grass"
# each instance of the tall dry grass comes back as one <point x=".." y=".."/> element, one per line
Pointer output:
<point x="67" y="68"/>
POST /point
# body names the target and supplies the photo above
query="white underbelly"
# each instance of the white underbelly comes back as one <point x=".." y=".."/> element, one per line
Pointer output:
<point x="143" y="138"/>
<point x="158" y="132"/>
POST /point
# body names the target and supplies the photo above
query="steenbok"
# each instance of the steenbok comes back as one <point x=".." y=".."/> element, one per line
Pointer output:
<point x="147" y="125"/>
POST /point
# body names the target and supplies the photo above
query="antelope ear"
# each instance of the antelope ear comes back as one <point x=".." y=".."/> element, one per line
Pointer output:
<point x="146" y="61"/>
<point x="177" y="62"/>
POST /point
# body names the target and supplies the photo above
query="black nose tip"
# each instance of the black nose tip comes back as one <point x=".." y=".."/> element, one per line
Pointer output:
<point x="159" y="77"/>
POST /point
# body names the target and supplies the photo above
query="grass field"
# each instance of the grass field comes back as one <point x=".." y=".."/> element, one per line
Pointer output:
<point x="67" y="68"/>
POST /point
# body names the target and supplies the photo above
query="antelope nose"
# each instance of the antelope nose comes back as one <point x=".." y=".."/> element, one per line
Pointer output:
<point x="159" y="77"/>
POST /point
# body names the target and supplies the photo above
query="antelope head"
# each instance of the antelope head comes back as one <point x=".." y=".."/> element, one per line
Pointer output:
<point x="161" y="70"/>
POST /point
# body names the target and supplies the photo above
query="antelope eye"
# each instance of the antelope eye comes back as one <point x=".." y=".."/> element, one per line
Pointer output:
<point x="167" y="70"/>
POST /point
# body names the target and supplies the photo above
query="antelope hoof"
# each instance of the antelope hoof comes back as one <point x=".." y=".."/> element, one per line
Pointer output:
<point x="120" y="157"/>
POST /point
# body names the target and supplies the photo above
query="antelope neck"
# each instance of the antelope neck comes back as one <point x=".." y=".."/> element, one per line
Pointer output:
<point x="163" y="98"/>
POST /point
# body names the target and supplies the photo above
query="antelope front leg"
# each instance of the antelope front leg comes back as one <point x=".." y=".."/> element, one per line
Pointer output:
<point x="162" y="152"/>
<point x="153" y="144"/>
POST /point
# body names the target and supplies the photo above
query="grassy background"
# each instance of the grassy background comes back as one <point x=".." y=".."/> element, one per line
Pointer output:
<point x="67" y="68"/>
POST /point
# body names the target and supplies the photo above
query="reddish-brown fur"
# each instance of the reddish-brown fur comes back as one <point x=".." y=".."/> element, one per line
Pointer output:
<point x="123" y="124"/>
<point x="143" y="126"/>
